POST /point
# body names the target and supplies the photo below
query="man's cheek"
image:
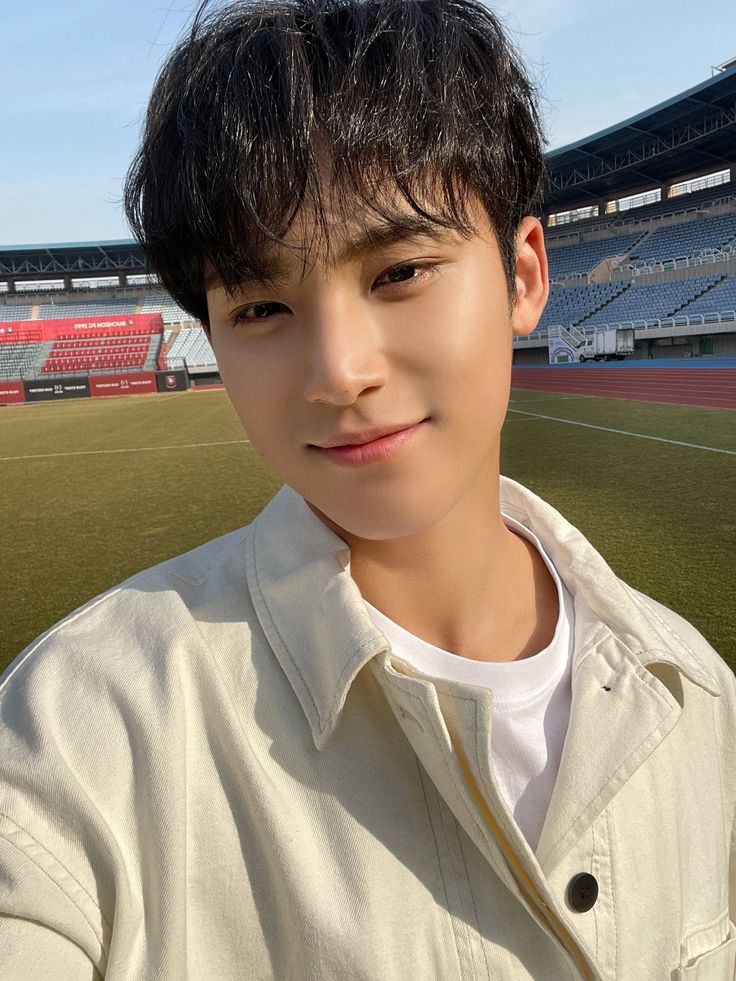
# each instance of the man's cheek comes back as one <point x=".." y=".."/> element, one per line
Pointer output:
<point x="267" y="451"/>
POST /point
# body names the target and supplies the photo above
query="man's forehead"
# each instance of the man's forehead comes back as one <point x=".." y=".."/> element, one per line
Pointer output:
<point x="338" y="238"/>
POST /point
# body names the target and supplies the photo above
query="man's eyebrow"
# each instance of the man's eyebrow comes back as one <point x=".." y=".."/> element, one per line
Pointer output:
<point x="374" y="237"/>
<point x="274" y="273"/>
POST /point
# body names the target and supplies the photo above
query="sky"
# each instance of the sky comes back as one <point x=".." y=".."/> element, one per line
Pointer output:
<point x="75" y="77"/>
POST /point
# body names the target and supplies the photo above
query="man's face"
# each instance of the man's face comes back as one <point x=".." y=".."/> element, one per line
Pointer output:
<point x="408" y="337"/>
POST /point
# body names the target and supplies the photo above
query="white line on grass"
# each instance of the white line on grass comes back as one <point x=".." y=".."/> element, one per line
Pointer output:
<point x="552" y="398"/>
<point x="233" y="442"/>
<point x="132" y="449"/>
<point x="624" y="432"/>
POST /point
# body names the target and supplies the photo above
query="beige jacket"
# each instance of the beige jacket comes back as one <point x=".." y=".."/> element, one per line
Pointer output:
<point x="216" y="771"/>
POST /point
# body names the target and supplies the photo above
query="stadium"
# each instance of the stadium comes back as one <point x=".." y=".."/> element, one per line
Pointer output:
<point x="638" y="339"/>
<point x="641" y="238"/>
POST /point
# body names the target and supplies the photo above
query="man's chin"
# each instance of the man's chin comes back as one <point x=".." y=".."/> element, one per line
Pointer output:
<point x="381" y="527"/>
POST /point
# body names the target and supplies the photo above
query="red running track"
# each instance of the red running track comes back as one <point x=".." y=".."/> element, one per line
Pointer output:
<point x="685" y="386"/>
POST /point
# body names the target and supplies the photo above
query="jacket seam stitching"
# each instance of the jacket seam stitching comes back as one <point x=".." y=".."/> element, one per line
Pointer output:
<point x="680" y="640"/>
<point x="644" y="675"/>
<point x="594" y="867"/>
<point x="724" y="804"/>
<point x="501" y="818"/>
<point x="439" y="866"/>
<point x="475" y="909"/>
<point x="609" y="835"/>
<point x="459" y="784"/>
<point x="643" y="746"/>
<point x="602" y="633"/>
<point x="51" y="879"/>
<point x="701" y="928"/>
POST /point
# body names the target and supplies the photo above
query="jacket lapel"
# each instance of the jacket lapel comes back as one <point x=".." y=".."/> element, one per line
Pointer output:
<point x="309" y="608"/>
<point x="620" y="713"/>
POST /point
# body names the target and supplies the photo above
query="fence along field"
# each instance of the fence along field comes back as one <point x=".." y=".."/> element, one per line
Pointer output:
<point x="97" y="489"/>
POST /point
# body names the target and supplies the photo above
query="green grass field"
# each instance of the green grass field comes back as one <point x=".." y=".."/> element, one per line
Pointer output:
<point x="96" y="489"/>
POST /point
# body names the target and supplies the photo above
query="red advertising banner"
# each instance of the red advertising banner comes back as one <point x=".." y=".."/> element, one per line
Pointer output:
<point x="129" y="384"/>
<point x="51" y="330"/>
<point x="11" y="391"/>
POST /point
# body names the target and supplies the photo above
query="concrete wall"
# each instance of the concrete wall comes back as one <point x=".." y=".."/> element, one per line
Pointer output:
<point x="724" y="344"/>
<point x="531" y="356"/>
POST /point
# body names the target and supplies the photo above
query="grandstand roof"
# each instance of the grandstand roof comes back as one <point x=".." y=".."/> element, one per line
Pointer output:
<point x="64" y="245"/>
<point x="687" y="135"/>
<point x="49" y="261"/>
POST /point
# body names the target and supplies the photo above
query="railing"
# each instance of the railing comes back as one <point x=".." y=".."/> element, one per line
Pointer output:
<point x="702" y="208"/>
<point x="648" y="267"/>
<point x="725" y="317"/>
<point x="26" y="335"/>
<point x="35" y="374"/>
<point x="573" y="279"/>
<point x="161" y="359"/>
<point x="703" y="257"/>
<point x="659" y="218"/>
<point x="679" y="320"/>
<point x="615" y="221"/>
<point x="697" y="319"/>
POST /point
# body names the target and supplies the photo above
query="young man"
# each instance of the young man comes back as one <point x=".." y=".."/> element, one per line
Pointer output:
<point x="408" y="724"/>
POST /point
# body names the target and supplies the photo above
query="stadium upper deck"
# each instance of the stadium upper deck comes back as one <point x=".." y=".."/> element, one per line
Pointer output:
<point x="667" y="268"/>
<point x="690" y="134"/>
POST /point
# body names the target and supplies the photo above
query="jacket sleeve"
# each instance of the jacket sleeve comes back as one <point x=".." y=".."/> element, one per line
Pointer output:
<point x="31" y="952"/>
<point x="728" y="752"/>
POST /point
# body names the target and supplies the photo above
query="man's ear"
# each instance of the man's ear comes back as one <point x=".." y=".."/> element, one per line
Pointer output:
<point x="530" y="278"/>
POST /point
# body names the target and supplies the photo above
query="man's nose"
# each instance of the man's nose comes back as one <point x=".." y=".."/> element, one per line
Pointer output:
<point x="345" y="356"/>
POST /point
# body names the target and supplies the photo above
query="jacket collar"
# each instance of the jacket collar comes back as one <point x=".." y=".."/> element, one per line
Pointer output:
<point x="314" y="618"/>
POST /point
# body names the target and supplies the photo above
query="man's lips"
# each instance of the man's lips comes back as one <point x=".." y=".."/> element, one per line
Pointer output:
<point x="361" y="438"/>
<point x="367" y="446"/>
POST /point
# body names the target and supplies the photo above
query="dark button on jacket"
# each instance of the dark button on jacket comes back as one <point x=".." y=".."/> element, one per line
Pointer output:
<point x="582" y="892"/>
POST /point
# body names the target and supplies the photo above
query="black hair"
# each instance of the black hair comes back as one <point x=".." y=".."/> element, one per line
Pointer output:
<point x="424" y="97"/>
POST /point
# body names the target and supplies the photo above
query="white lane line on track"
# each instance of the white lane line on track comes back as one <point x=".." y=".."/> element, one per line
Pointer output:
<point x="624" y="432"/>
<point x="132" y="449"/>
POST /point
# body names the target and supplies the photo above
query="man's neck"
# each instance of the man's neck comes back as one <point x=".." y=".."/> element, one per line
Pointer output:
<point x="468" y="585"/>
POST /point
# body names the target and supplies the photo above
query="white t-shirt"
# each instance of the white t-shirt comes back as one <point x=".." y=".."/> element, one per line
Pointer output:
<point x="531" y="701"/>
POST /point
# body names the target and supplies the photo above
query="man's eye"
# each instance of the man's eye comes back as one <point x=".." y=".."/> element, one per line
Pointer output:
<point x="258" y="311"/>
<point x="406" y="272"/>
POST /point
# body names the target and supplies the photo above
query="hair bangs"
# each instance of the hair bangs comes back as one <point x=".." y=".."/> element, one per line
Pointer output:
<point x="308" y="109"/>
